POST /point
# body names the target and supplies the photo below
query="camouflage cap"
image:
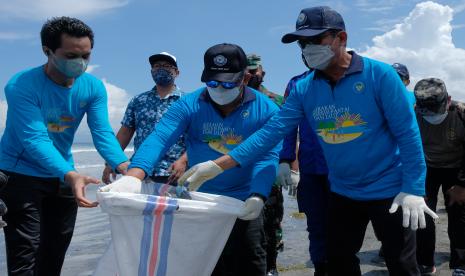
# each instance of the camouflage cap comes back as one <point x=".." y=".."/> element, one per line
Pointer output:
<point x="431" y="96"/>
<point x="253" y="61"/>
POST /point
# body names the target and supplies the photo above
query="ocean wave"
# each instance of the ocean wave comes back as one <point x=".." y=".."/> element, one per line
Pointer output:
<point x="83" y="150"/>
<point x="89" y="166"/>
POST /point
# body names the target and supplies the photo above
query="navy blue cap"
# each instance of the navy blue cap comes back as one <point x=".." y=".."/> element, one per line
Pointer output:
<point x="224" y="62"/>
<point x="401" y="70"/>
<point x="314" y="21"/>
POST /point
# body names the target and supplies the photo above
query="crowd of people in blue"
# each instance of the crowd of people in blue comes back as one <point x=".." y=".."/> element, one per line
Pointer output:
<point x="347" y="138"/>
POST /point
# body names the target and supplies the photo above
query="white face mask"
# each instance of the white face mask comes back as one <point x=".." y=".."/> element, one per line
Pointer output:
<point x="435" y="119"/>
<point x="317" y="56"/>
<point x="223" y="96"/>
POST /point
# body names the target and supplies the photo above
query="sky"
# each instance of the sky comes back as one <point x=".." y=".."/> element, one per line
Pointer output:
<point x="429" y="37"/>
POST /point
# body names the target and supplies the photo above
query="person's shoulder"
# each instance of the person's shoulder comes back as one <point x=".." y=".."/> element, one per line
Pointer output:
<point x="191" y="99"/>
<point x="144" y="95"/>
<point x="377" y="65"/>
<point x="457" y="106"/>
<point x="304" y="77"/>
<point x="88" y="83"/>
<point x="26" y="80"/>
<point x="263" y="100"/>
<point x="27" y="77"/>
<point x="89" y="79"/>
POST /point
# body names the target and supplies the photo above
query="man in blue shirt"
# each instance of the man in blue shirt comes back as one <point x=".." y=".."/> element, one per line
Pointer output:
<point x="359" y="109"/>
<point x="215" y="120"/>
<point x="313" y="186"/>
<point x="145" y="110"/>
<point x="45" y="107"/>
<point x="404" y="75"/>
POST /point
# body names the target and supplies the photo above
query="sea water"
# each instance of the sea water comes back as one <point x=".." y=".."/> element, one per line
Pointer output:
<point x="92" y="229"/>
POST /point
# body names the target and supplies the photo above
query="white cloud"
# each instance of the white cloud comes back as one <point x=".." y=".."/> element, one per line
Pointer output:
<point x="118" y="99"/>
<point x="42" y="9"/>
<point x="91" y="68"/>
<point x="423" y="42"/>
<point x="378" y="6"/>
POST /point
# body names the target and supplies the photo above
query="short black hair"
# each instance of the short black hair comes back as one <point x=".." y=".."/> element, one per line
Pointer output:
<point x="54" y="28"/>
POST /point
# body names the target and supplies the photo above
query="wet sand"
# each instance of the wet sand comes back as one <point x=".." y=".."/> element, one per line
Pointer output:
<point x="92" y="235"/>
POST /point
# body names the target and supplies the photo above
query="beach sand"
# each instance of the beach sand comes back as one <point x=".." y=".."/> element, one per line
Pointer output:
<point x="92" y="235"/>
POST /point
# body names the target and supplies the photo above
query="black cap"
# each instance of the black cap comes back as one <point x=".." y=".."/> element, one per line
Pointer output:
<point x="163" y="56"/>
<point x="401" y="70"/>
<point x="314" y="21"/>
<point x="431" y="96"/>
<point x="224" y="62"/>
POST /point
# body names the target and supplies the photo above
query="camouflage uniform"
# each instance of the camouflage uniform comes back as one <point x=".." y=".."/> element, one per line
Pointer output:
<point x="274" y="208"/>
<point x="444" y="147"/>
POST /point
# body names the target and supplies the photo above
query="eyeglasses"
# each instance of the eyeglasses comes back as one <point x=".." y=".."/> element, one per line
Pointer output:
<point x="164" y="66"/>
<point x="316" y="40"/>
<point x="225" y="85"/>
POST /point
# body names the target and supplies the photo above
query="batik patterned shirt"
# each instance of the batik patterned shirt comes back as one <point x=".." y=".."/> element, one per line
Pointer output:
<point x="143" y="113"/>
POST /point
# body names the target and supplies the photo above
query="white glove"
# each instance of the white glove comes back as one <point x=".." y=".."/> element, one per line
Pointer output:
<point x="413" y="208"/>
<point x="198" y="174"/>
<point x="126" y="184"/>
<point x="295" y="177"/>
<point x="284" y="175"/>
<point x="252" y="208"/>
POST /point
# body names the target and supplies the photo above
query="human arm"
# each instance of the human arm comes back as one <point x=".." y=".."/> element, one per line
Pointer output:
<point x="166" y="133"/>
<point x="123" y="136"/>
<point x="102" y="135"/>
<point x="403" y="126"/>
<point x="178" y="168"/>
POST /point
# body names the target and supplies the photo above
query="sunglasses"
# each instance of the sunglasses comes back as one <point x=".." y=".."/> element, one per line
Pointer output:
<point x="225" y="85"/>
<point x="316" y="40"/>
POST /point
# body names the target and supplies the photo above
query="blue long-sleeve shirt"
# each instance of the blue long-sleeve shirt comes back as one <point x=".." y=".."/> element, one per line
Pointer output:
<point x="365" y="125"/>
<point x="42" y="119"/>
<point x="209" y="135"/>
<point x="311" y="158"/>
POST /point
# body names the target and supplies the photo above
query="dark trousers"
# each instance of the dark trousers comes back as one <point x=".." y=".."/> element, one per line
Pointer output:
<point x="347" y="223"/>
<point x="312" y="199"/>
<point x="273" y="215"/>
<point x="244" y="253"/>
<point x="426" y="238"/>
<point x="41" y="217"/>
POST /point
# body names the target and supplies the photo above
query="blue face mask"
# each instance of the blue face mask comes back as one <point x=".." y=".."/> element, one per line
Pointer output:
<point x="71" y="68"/>
<point x="162" y="77"/>
<point x="435" y="119"/>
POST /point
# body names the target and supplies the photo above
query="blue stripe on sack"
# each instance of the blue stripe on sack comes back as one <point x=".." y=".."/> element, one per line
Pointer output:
<point x="166" y="236"/>
<point x="145" y="242"/>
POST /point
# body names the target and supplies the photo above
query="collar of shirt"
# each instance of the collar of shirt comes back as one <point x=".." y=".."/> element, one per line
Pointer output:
<point x="175" y="93"/>
<point x="248" y="95"/>
<point x="355" y="66"/>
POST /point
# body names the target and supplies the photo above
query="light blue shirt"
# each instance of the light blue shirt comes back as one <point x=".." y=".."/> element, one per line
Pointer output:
<point x="365" y="125"/>
<point x="209" y="135"/>
<point x="42" y="119"/>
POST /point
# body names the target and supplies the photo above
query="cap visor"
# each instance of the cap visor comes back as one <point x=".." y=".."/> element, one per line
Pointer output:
<point x="291" y="37"/>
<point x="159" y="57"/>
<point x="218" y="76"/>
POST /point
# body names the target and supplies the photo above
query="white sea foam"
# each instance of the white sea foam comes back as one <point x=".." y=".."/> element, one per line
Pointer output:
<point x="80" y="150"/>
<point x="89" y="166"/>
